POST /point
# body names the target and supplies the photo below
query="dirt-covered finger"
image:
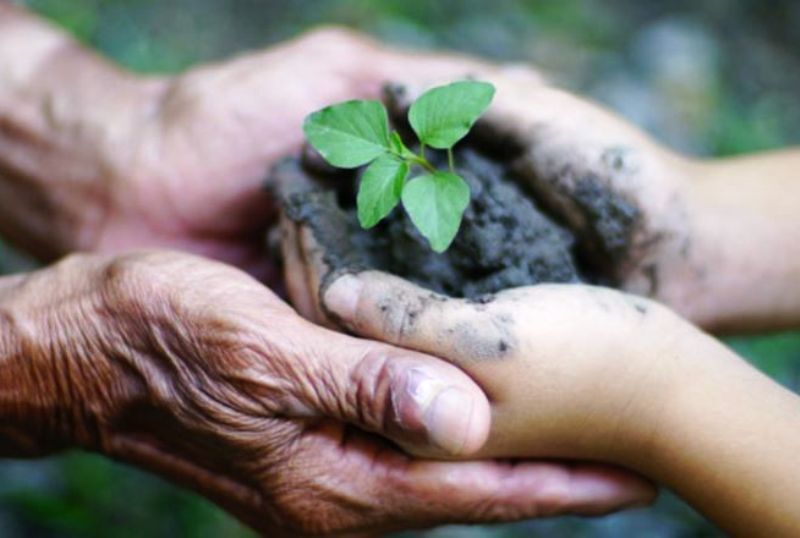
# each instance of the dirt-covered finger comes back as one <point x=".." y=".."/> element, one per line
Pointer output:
<point x="388" y="308"/>
<point x="294" y="271"/>
<point x="315" y="271"/>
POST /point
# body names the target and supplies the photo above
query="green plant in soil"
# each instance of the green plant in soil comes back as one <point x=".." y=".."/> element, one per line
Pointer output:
<point x="356" y="133"/>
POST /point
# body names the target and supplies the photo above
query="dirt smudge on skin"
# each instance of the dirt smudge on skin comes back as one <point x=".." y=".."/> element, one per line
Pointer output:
<point x="492" y="338"/>
<point x="482" y="336"/>
<point x="487" y="340"/>
<point x="611" y="221"/>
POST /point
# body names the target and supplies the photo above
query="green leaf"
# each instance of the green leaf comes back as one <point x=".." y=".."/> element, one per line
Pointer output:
<point x="436" y="202"/>
<point x="380" y="189"/>
<point x="444" y="115"/>
<point x="349" y="134"/>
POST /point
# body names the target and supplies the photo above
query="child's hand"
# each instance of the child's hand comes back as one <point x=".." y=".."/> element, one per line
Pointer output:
<point x="630" y="201"/>
<point x="572" y="371"/>
<point x="579" y="372"/>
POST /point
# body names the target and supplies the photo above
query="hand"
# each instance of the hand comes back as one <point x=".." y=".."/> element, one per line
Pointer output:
<point x="116" y="160"/>
<point x="548" y="356"/>
<point x="522" y="346"/>
<point x="630" y="202"/>
<point x="572" y="371"/>
<point x="193" y="370"/>
<point x="591" y="373"/>
<point x="195" y="176"/>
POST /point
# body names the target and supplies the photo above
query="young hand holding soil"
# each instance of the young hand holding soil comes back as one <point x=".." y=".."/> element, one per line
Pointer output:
<point x="593" y="374"/>
<point x="698" y="235"/>
<point x="589" y="373"/>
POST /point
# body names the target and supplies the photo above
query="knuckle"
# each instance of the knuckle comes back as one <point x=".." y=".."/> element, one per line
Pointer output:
<point x="128" y="278"/>
<point x="370" y="389"/>
<point x="142" y="286"/>
<point x="553" y="499"/>
<point x="129" y="269"/>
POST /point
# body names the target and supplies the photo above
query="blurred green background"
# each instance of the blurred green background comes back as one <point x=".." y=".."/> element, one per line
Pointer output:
<point x="716" y="77"/>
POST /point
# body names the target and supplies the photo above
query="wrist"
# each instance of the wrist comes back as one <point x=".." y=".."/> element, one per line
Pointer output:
<point x="726" y="442"/>
<point x="653" y="370"/>
<point x="72" y="122"/>
<point x="61" y="381"/>
<point x="746" y="245"/>
<point x="22" y="422"/>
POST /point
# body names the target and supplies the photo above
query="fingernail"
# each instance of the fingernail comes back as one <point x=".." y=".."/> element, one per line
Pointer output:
<point x="341" y="298"/>
<point x="446" y="415"/>
<point x="449" y="420"/>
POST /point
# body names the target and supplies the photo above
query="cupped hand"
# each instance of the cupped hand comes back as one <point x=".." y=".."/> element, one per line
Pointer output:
<point x="193" y="370"/>
<point x="631" y="202"/>
<point x="193" y="175"/>
<point x="572" y="371"/>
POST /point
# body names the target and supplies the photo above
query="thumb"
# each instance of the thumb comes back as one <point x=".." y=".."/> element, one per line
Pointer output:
<point x="427" y="406"/>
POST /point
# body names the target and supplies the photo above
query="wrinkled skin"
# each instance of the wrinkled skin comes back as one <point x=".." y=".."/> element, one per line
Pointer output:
<point x="193" y="370"/>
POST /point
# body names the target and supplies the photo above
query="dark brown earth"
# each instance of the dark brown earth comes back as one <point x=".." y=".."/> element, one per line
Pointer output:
<point x="505" y="239"/>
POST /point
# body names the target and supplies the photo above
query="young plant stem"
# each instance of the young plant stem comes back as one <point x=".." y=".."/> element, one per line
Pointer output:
<point x="423" y="162"/>
<point x="413" y="158"/>
<point x="450" y="160"/>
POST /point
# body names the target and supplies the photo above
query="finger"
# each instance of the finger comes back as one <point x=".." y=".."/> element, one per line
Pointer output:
<point x="315" y="270"/>
<point x="527" y="489"/>
<point x="385" y="490"/>
<point x="391" y="309"/>
<point x="294" y="271"/>
<point x="421" y="402"/>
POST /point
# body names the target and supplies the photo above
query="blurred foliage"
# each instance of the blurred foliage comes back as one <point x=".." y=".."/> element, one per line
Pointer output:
<point x="712" y="78"/>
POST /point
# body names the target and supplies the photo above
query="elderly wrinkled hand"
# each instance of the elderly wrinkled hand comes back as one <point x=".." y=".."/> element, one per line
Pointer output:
<point x="192" y="369"/>
<point x="126" y="161"/>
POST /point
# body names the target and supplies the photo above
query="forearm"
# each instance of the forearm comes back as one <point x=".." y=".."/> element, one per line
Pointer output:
<point x="683" y="410"/>
<point x="727" y="441"/>
<point x="748" y="231"/>
<point x="64" y="115"/>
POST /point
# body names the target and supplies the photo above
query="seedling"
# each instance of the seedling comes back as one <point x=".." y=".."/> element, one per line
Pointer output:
<point x="356" y="133"/>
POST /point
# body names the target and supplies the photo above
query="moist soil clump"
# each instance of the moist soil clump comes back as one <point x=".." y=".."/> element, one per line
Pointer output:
<point x="506" y="240"/>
